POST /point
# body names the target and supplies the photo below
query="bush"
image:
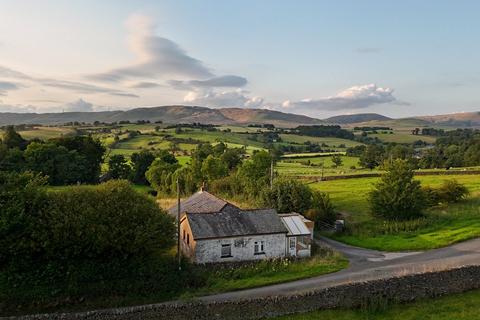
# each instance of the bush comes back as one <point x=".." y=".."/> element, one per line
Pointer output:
<point x="397" y="196"/>
<point x="322" y="209"/>
<point x="452" y="191"/>
<point x="109" y="223"/>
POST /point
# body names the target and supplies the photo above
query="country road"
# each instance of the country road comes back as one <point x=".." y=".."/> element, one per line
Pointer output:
<point x="367" y="265"/>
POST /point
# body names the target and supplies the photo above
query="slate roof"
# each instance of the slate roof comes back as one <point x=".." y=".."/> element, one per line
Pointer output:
<point x="235" y="223"/>
<point x="202" y="202"/>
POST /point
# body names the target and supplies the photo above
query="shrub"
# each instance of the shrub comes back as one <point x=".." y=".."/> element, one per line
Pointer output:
<point x="452" y="191"/>
<point x="397" y="196"/>
<point x="322" y="209"/>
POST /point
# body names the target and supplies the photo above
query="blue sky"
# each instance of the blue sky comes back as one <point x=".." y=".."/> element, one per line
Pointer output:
<point x="319" y="58"/>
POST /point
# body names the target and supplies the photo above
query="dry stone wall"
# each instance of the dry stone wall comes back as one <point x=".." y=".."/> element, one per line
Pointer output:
<point x="399" y="289"/>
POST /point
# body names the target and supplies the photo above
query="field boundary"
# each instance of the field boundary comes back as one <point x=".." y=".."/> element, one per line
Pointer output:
<point x="353" y="295"/>
<point x="379" y="174"/>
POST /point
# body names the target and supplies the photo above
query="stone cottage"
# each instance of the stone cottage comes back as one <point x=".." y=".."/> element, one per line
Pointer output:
<point x="213" y="230"/>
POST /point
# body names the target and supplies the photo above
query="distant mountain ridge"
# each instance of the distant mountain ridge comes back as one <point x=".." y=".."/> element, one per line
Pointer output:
<point x="356" y="118"/>
<point x="237" y="116"/>
<point x="168" y="114"/>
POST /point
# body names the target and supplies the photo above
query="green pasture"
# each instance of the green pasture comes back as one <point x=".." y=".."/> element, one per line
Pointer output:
<point x="441" y="226"/>
<point x="402" y="137"/>
<point x="462" y="306"/>
<point x="45" y="133"/>
<point x="330" y="141"/>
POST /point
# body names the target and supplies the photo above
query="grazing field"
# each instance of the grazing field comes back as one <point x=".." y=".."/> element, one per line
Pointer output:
<point x="45" y="133"/>
<point x="330" y="141"/>
<point x="463" y="306"/>
<point x="441" y="226"/>
<point x="314" y="166"/>
<point x="402" y="137"/>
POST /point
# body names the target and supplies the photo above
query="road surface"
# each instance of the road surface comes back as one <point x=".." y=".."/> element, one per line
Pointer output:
<point x="366" y="265"/>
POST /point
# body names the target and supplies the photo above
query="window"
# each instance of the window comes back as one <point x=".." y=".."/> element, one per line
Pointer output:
<point x="292" y="243"/>
<point x="259" y="247"/>
<point x="183" y="234"/>
<point x="188" y="238"/>
<point x="226" y="250"/>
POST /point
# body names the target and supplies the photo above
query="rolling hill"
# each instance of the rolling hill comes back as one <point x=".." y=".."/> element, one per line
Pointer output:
<point x="356" y="118"/>
<point x="167" y="114"/>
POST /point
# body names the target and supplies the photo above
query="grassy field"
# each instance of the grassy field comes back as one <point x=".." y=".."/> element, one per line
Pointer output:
<point x="330" y="141"/>
<point x="464" y="306"/>
<point x="45" y="133"/>
<point x="402" y="137"/>
<point x="312" y="166"/>
<point x="440" y="227"/>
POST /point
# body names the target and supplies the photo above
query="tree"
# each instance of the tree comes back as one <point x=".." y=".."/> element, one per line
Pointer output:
<point x="57" y="162"/>
<point x="255" y="173"/>
<point x="160" y="174"/>
<point x="287" y="195"/>
<point x="322" y="209"/>
<point x="11" y="159"/>
<point x="118" y="167"/>
<point x="232" y="157"/>
<point x="397" y="196"/>
<point x="337" y="160"/>
<point x="140" y="163"/>
<point x="12" y="139"/>
<point x="90" y="149"/>
<point x="372" y="156"/>
<point x="213" y="168"/>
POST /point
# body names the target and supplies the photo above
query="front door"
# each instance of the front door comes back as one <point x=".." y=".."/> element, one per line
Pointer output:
<point x="292" y="246"/>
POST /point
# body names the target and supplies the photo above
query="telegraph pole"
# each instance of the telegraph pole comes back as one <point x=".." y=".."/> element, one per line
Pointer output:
<point x="271" y="174"/>
<point x="178" y="227"/>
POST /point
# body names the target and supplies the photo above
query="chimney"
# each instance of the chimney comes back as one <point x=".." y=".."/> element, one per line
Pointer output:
<point x="203" y="187"/>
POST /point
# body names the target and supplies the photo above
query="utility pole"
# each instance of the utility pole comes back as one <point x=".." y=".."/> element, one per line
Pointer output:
<point x="271" y="174"/>
<point x="178" y="227"/>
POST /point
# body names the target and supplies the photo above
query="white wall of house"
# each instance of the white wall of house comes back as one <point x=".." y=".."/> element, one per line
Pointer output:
<point x="241" y="248"/>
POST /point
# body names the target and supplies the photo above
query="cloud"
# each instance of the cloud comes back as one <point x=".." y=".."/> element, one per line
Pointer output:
<point x="221" y="81"/>
<point x="79" y="106"/>
<point x="157" y="56"/>
<point x="357" y="97"/>
<point x="237" y="98"/>
<point x="17" y="108"/>
<point x="127" y="95"/>
<point x="79" y="87"/>
<point x="145" y="85"/>
<point x="7" y="86"/>
<point x="10" y="73"/>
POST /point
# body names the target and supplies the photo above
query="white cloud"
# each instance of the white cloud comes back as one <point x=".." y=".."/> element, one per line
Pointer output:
<point x="145" y="85"/>
<point x="237" y="98"/>
<point x="156" y="56"/>
<point x="79" y="106"/>
<point x="356" y="97"/>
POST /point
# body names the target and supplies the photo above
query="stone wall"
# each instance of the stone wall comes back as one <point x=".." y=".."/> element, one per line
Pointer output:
<point x="400" y="289"/>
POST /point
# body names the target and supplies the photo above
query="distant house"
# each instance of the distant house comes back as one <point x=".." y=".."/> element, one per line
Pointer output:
<point x="214" y="230"/>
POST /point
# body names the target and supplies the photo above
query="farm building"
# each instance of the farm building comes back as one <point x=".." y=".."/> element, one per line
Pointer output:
<point x="214" y="230"/>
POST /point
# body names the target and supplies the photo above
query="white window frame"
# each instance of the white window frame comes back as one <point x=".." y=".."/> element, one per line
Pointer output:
<point x="259" y="247"/>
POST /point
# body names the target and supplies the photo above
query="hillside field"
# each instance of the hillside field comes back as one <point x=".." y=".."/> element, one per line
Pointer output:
<point x="440" y="227"/>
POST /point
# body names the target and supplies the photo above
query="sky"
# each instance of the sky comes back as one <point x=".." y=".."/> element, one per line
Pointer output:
<point x="318" y="58"/>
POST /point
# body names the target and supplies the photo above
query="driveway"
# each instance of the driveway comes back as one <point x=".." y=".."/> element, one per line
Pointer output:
<point x="366" y="265"/>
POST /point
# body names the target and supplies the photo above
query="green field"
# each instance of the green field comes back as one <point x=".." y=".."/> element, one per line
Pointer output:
<point x="402" y="137"/>
<point x="440" y="227"/>
<point x="464" y="306"/>
<point x="45" y="133"/>
<point x="314" y="166"/>
<point x="330" y="141"/>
